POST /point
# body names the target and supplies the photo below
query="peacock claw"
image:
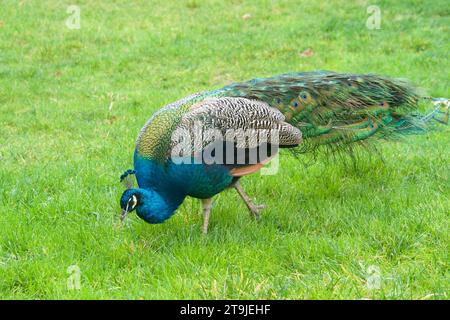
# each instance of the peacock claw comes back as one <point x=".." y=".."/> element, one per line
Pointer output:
<point x="255" y="210"/>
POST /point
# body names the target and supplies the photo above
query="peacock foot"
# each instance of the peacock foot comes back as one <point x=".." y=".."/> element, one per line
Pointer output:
<point x="255" y="210"/>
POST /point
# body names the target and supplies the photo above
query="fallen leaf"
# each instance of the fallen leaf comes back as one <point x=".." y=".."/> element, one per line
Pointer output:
<point x="111" y="119"/>
<point x="307" y="53"/>
<point x="246" y="16"/>
<point x="1" y="24"/>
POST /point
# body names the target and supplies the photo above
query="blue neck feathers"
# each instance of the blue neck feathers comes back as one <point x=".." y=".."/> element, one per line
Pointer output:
<point x="154" y="207"/>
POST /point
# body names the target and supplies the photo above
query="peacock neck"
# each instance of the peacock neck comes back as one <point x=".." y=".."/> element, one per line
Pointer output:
<point x="156" y="207"/>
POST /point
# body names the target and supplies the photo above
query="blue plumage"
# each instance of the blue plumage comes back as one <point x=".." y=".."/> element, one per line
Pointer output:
<point x="163" y="187"/>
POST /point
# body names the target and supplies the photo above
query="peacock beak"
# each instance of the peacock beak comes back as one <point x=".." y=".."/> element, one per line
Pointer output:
<point x="123" y="215"/>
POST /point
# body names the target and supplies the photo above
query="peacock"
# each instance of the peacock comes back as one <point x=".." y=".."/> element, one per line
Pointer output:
<point x="186" y="149"/>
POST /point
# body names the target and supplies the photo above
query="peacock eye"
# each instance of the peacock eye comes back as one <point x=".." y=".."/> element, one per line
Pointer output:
<point x="304" y="96"/>
<point x="295" y="104"/>
<point x="277" y="100"/>
<point x="132" y="202"/>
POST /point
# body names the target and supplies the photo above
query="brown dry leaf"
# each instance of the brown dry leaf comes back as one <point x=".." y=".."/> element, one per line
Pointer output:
<point x="111" y="119"/>
<point x="1" y="24"/>
<point x="307" y="53"/>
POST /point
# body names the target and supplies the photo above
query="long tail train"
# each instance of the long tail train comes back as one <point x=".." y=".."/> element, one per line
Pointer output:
<point x="336" y="110"/>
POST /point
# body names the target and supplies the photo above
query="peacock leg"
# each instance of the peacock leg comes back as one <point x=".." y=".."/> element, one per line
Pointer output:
<point x="254" y="209"/>
<point x="207" y="205"/>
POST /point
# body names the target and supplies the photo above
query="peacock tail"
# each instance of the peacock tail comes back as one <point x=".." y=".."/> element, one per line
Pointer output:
<point x="336" y="110"/>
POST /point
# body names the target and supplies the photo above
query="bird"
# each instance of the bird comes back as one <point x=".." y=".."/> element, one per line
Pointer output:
<point x="185" y="149"/>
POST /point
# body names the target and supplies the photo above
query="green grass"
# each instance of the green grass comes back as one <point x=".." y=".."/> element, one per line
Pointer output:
<point x="73" y="101"/>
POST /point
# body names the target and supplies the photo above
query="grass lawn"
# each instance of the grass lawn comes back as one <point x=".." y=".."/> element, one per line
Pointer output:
<point x="73" y="101"/>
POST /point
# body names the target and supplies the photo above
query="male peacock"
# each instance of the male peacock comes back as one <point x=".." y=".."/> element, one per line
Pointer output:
<point x="305" y="111"/>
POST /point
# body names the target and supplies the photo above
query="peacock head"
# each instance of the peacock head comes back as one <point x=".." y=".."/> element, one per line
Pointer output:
<point x="149" y="205"/>
<point x="130" y="199"/>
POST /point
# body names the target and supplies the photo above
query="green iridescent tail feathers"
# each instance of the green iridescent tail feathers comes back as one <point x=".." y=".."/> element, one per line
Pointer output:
<point x="336" y="110"/>
<point x="418" y="123"/>
<point x="441" y="111"/>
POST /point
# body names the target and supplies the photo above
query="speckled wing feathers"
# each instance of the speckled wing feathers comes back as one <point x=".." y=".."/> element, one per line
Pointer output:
<point x="235" y="117"/>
